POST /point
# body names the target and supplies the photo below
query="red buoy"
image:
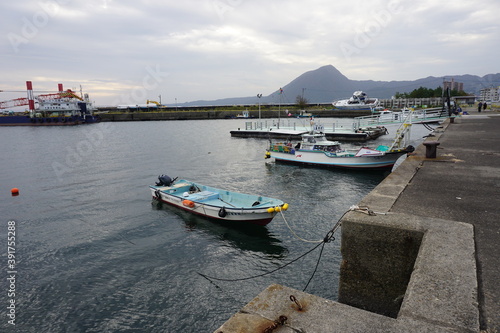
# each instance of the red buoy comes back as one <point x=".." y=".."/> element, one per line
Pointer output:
<point x="14" y="191"/>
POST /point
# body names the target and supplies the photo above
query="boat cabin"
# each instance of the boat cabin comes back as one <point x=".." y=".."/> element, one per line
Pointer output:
<point x="318" y="141"/>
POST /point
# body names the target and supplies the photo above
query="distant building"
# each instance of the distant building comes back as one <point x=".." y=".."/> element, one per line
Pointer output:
<point x="459" y="86"/>
<point x="461" y="100"/>
<point x="490" y="94"/>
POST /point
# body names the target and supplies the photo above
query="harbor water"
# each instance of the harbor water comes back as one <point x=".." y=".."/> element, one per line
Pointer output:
<point x="94" y="253"/>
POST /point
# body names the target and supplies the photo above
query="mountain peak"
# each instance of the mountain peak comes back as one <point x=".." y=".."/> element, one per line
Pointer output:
<point x="326" y="84"/>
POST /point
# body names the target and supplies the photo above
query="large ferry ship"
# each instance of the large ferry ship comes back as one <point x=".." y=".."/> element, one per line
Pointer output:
<point x="62" y="108"/>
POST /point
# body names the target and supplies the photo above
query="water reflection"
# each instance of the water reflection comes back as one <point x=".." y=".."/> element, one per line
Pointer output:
<point x="246" y="237"/>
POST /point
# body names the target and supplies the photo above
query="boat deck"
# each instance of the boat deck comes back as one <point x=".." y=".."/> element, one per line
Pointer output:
<point x="213" y="197"/>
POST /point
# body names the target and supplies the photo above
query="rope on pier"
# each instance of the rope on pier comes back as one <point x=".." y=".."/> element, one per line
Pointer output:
<point x="365" y="210"/>
<point x="428" y="127"/>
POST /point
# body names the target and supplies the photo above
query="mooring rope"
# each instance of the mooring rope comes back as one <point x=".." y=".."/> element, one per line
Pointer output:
<point x="329" y="237"/>
<point x="428" y="127"/>
<point x="297" y="236"/>
<point x="366" y="210"/>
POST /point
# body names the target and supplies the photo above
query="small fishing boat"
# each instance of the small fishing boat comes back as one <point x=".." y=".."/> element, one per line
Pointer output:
<point x="315" y="149"/>
<point x="215" y="203"/>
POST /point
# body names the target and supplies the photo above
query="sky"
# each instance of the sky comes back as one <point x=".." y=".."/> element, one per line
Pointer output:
<point x="127" y="52"/>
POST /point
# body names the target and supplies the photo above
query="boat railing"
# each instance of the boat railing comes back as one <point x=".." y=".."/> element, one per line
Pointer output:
<point x="340" y="125"/>
<point x="398" y="117"/>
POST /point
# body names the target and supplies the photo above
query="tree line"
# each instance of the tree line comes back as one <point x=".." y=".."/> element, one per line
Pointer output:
<point x="423" y="92"/>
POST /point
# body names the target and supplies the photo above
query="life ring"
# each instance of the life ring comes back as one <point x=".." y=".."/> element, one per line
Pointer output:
<point x="222" y="212"/>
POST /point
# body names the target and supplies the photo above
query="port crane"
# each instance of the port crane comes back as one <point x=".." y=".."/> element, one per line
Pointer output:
<point x="30" y="99"/>
<point x="153" y="102"/>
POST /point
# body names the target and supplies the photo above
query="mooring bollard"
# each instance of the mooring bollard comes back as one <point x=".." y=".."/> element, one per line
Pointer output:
<point x="431" y="148"/>
<point x="452" y="120"/>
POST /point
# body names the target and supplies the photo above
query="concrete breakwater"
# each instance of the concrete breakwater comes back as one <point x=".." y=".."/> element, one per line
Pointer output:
<point x="143" y="114"/>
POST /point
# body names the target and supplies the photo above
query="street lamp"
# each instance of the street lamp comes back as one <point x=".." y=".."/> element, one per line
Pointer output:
<point x="259" y="96"/>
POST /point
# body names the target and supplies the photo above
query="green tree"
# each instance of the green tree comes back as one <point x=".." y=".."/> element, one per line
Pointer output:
<point x="423" y="92"/>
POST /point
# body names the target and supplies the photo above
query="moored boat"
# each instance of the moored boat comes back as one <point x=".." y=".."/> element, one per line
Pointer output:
<point x="216" y="204"/>
<point x="315" y="149"/>
<point x="57" y="109"/>
<point x="359" y="101"/>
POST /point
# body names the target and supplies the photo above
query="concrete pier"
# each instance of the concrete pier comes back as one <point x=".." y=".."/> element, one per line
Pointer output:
<point x="426" y="258"/>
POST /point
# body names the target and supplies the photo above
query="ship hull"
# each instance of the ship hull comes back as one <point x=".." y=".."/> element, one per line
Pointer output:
<point x="46" y="121"/>
<point x="385" y="161"/>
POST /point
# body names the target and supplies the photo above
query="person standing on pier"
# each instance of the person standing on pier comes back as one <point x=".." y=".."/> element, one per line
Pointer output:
<point x="479" y="107"/>
<point x="484" y="106"/>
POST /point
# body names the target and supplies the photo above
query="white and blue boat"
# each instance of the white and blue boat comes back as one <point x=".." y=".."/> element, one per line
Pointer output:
<point x="315" y="149"/>
<point x="216" y="204"/>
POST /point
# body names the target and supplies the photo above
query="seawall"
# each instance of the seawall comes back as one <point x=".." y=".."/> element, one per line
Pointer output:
<point x="114" y="114"/>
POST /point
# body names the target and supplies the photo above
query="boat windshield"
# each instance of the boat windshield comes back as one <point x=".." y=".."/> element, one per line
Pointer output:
<point x="330" y="148"/>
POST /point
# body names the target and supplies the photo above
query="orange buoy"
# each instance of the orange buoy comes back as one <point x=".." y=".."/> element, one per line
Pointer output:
<point x="188" y="203"/>
<point x="14" y="191"/>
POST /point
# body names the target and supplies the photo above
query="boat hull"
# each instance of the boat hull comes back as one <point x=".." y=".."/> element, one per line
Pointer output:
<point x="46" y="121"/>
<point x="355" y="108"/>
<point x="385" y="161"/>
<point x="209" y="203"/>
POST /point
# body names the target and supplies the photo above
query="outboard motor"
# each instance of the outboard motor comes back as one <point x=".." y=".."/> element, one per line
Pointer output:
<point x="165" y="180"/>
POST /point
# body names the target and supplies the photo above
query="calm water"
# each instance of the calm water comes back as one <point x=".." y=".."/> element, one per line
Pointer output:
<point x="94" y="254"/>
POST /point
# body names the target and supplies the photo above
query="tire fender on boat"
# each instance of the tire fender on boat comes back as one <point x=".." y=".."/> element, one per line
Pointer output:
<point x="158" y="194"/>
<point x="222" y="212"/>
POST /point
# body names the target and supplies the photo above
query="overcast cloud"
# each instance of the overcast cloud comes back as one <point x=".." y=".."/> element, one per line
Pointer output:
<point x="124" y="52"/>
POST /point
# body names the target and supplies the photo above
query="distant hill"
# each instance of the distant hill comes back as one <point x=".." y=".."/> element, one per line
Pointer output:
<point x="327" y="84"/>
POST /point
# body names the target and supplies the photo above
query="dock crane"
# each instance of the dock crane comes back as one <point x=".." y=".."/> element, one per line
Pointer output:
<point x="30" y="99"/>
<point x="153" y="102"/>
